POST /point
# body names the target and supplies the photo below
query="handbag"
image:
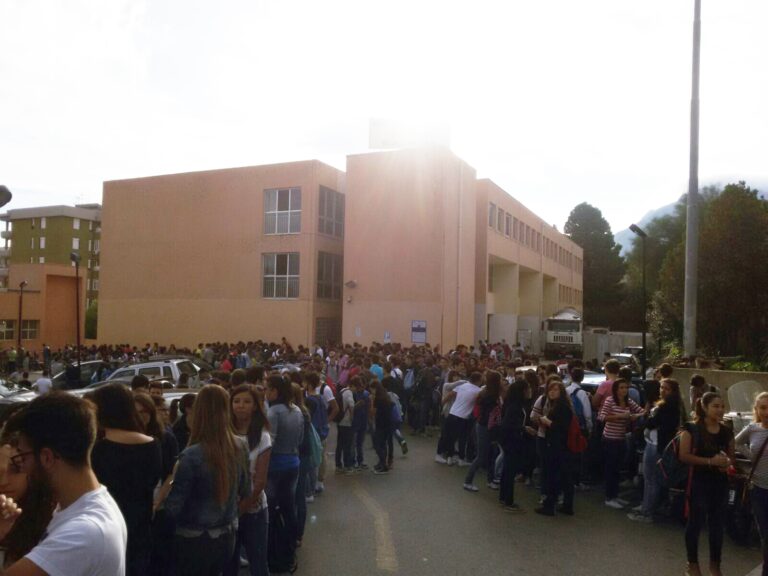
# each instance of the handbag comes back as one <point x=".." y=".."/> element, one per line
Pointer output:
<point x="748" y="483"/>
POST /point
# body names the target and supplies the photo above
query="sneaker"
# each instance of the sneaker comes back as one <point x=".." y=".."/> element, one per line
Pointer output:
<point x="638" y="508"/>
<point x="319" y="487"/>
<point x="541" y="499"/>
<point x="637" y="517"/>
<point x="363" y="466"/>
<point x="440" y="460"/>
<point x="404" y="447"/>
<point x="244" y="562"/>
<point x="560" y="500"/>
<point x="452" y="460"/>
<point x="514" y="508"/>
<point x="464" y="463"/>
<point x="309" y="499"/>
<point x="380" y="470"/>
<point x="614" y="504"/>
<point x="493" y="485"/>
<point x="471" y="488"/>
<point x="622" y="501"/>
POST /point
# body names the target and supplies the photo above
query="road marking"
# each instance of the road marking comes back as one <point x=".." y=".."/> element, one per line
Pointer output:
<point x="386" y="557"/>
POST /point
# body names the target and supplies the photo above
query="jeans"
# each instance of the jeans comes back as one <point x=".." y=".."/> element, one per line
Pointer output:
<point x="456" y="429"/>
<point x="482" y="460"/>
<point x="498" y="466"/>
<point x="359" y="436"/>
<point x="513" y="460"/>
<point x="707" y="502"/>
<point x="380" y="436"/>
<point x="321" y="469"/>
<point x="344" y="447"/>
<point x="759" y="498"/>
<point x="301" y="496"/>
<point x="559" y="477"/>
<point x="203" y="555"/>
<point x="281" y="498"/>
<point x="651" y="479"/>
<point x="251" y="537"/>
<point x="613" y="452"/>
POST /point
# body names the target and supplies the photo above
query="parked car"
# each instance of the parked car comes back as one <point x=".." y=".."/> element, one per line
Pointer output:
<point x="170" y="369"/>
<point x="91" y="371"/>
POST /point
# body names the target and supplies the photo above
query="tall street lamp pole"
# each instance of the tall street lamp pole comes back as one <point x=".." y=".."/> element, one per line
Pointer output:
<point x="692" y="213"/>
<point x="75" y="257"/>
<point x="22" y="285"/>
<point x="643" y="359"/>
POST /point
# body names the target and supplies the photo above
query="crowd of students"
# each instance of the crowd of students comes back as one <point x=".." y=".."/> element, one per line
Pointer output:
<point x="121" y="483"/>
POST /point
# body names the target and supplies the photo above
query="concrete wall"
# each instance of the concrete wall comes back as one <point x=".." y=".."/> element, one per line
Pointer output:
<point x="409" y="247"/>
<point x="182" y="257"/>
<point x="723" y="379"/>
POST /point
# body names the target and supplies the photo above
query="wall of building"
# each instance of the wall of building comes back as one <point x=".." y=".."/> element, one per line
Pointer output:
<point x="182" y="254"/>
<point x="409" y="248"/>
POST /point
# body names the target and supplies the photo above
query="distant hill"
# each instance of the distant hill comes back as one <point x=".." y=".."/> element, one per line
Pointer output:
<point x="624" y="237"/>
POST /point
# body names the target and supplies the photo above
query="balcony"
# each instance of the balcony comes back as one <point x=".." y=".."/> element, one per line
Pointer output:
<point x="6" y="234"/>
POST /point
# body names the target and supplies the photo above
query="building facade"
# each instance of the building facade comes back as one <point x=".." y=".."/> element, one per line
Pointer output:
<point x="224" y="255"/>
<point x="405" y="246"/>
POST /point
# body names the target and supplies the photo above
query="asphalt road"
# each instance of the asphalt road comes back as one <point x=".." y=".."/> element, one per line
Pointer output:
<point x="418" y="520"/>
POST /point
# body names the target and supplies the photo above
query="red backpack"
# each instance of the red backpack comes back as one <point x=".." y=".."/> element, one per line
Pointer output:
<point x="576" y="441"/>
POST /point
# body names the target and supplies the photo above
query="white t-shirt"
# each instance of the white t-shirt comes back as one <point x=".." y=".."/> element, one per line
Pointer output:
<point x="43" y="385"/>
<point x="328" y="394"/>
<point x="87" y="538"/>
<point x="348" y="399"/>
<point x="264" y="444"/>
<point x="466" y="394"/>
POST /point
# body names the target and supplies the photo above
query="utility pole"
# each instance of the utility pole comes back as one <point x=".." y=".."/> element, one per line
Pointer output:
<point x="692" y="214"/>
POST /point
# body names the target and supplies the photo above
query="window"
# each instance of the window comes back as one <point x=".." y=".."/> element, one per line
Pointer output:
<point x="331" y="213"/>
<point x="538" y="241"/>
<point x="507" y="225"/>
<point x="42" y="242"/>
<point x="95" y="284"/>
<point x="515" y="229"/>
<point x="7" y="330"/>
<point x="75" y="243"/>
<point x="29" y="329"/>
<point x="500" y="221"/>
<point x="32" y="243"/>
<point x="330" y="268"/>
<point x="282" y="211"/>
<point x="89" y="263"/>
<point x="90" y="248"/>
<point x="42" y="223"/>
<point x="90" y="225"/>
<point x="491" y="214"/>
<point x="41" y="260"/>
<point x="281" y="275"/>
<point x="76" y="224"/>
<point x="96" y="246"/>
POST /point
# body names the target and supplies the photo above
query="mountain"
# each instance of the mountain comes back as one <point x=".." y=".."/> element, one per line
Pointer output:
<point x="624" y="237"/>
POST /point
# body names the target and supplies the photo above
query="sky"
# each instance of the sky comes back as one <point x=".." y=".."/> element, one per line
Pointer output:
<point x="558" y="102"/>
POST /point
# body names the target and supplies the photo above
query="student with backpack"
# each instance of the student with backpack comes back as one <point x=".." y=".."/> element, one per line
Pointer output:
<point x="709" y="456"/>
<point x="582" y="409"/>
<point x="487" y="402"/>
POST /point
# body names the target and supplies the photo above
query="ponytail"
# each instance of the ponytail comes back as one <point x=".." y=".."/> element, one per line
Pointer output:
<point x="702" y="403"/>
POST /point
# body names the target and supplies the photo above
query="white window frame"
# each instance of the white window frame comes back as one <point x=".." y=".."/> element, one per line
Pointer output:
<point x="42" y="242"/>
<point x="280" y="286"/>
<point x="491" y="215"/>
<point x="75" y="223"/>
<point x="278" y="221"/>
<point x="42" y="223"/>
<point x="75" y="243"/>
<point x="41" y="260"/>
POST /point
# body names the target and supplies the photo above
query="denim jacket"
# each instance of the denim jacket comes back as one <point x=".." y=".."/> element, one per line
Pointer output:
<point x="192" y="501"/>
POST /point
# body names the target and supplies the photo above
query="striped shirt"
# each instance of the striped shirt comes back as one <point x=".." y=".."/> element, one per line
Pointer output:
<point x="616" y="429"/>
<point x="749" y="441"/>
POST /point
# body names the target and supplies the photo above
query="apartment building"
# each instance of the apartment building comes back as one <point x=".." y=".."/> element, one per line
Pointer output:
<point x="405" y="246"/>
<point x="236" y="254"/>
<point x="49" y="235"/>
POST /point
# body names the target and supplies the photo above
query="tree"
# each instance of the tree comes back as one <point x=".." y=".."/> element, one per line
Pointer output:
<point x="603" y="265"/>
<point x="91" y="320"/>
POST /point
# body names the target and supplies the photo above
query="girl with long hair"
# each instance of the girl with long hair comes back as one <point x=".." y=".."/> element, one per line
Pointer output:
<point x="487" y="401"/>
<point x="211" y="478"/>
<point x="129" y="463"/>
<point x="305" y="465"/>
<point x="556" y="422"/>
<point x="617" y="412"/>
<point x="752" y="442"/>
<point x="251" y="425"/>
<point x="286" y="423"/>
<point x="514" y="422"/>
<point x="662" y="425"/>
<point x="708" y="446"/>
<point x="381" y="413"/>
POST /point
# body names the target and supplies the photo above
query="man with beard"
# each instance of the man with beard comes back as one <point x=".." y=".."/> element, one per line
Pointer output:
<point x="87" y="534"/>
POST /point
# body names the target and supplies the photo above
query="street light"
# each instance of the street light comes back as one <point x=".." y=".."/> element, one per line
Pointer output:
<point x="22" y="285"/>
<point x="75" y="257"/>
<point x="639" y="231"/>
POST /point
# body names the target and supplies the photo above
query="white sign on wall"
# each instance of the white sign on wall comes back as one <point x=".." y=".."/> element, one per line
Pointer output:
<point x="387" y="338"/>
<point x="419" y="331"/>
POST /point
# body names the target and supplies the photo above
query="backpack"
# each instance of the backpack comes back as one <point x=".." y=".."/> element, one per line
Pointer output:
<point x="315" y="448"/>
<point x="397" y="411"/>
<point x="409" y="378"/>
<point x="576" y="441"/>
<point x="318" y="408"/>
<point x="578" y="408"/>
<point x="675" y="473"/>
<point x="339" y="402"/>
